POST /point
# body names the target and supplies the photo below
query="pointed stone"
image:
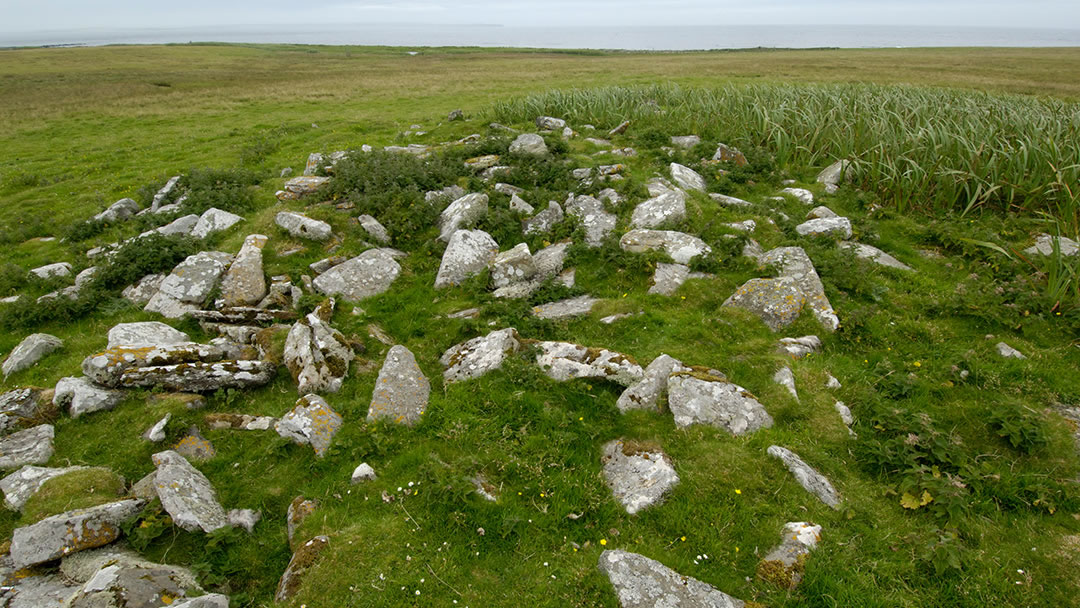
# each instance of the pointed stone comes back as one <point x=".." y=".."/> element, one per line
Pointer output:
<point x="641" y="582"/>
<point x="470" y="252"/>
<point x="186" y="494"/>
<point x="785" y="378"/>
<point x="244" y="283"/>
<point x="401" y="389"/>
<point x="310" y="422"/>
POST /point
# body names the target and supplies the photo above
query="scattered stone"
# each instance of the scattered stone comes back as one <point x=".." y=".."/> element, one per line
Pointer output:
<point x="186" y="494"/>
<point x="610" y="196"/>
<point x="165" y="191"/>
<point x="455" y="115"/>
<point x="156" y="433"/>
<point x="180" y="226"/>
<point x="114" y="577"/>
<point x="244" y="518"/>
<point x="821" y="213"/>
<point x="834" y="174"/>
<point x="310" y="422"/>
<point x="513" y="266"/>
<point x="598" y="223"/>
<point x="25" y="407"/>
<point x="401" y="389"/>
<point x="468" y="313"/>
<point x="240" y="422"/>
<point x="200" y="376"/>
<point x="564" y="361"/>
<point x="80" y="396"/>
<point x="30" y="446"/>
<point x="529" y="144"/>
<point x="1009" y="352"/>
<point x="681" y="247"/>
<point x="685" y="141"/>
<point x="800" y="347"/>
<point x="777" y="302"/>
<point x="727" y="154"/>
<point x="619" y="130"/>
<point x="122" y="209"/>
<point x="641" y="582"/>
<point x="141" y="292"/>
<point x="244" y="283"/>
<point x="668" y="278"/>
<point x="804" y="196"/>
<point x="519" y="205"/>
<point x="639" y="475"/>
<point x="50" y="271"/>
<point x="214" y="220"/>
<point x="299" y="510"/>
<point x="1044" y="245"/>
<point x="316" y="354"/>
<point x="687" y="178"/>
<point x="468" y="253"/>
<point x="730" y="201"/>
<point x="667" y="207"/>
<point x="32" y="349"/>
<point x="784" y="564"/>
<point x="624" y="152"/>
<point x="548" y="123"/>
<point x="508" y="189"/>
<point x="596" y="141"/>
<point x="845" y="414"/>
<point x="832" y="382"/>
<point x="368" y="274"/>
<point x="302" y="560"/>
<point x="189" y="285"/>
<point x="875" y="255"/>
<point x="794" y="263"/>
<point x="808" y="478"/>
<point x="544" y="221"/>
<point x="482" y="163"/>
<point x="563" y="309"/>
<point x="194" y="446"/>
<point x="646" y="394"/>
<point x="479" y="356"/>
<point x="286" y="172"/>
<point x="448" y="193"/>
<point x="19" y="486"/>
<point x="363" y="472"/>
<point x="299" y="187"/>
<point x="484" y="489"/>
<point x="462" y="213"/>
<point x="302" y="226"/>
<point x="831" y="226"/>
<point x="376" y="230"/>
<point x="785" y="378"/>
<point x="697" y="397"/>
<point x="66" y="533"/>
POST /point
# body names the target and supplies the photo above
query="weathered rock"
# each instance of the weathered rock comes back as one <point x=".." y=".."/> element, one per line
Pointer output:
<point x="241" y="315"/>
<point x="687" y="178"/>
<point x="777" y="302"/>
<point x="244" y="283"/>
<point x="685" y="141"/>
<point x="180" y="226"/>
<point x="811" y="481"/>
<point x="310" y="422"/>
<point x="1009" y="352"/>
<point x="834" y="174"/>
<point x="50" y="271"/>
<point x="114" y="577"/>
<point x="875" y="255"/>
<point x="374" y="229"/>
<point x="210" y="600"/>
<point x="786" y="378"/>
<point x="120" y="210"/>
<point x="480" y="355"/>
<point x="644" y="583"/>
<point x="305" y="557"/>
<point x="639" y="475"/>
<point x="19" y="486"/>
<point x="33" y="591"/>
<point x="730" y="201"/>
<point x="108" y="367"/>
<point x="31" y="350"/>
<point x="186" y="494"/>
<point x="696" y="397"/>
<point x="162" y="194"/>
<point x="31" y="446"/>
<point x="513" y="266"/>
<point x="844" y="412"/>
<point x="189" y="285"/>
<point x="80" y="396"/>
<point x="743" y="226"/>
<point x="794" y="263"/>
<point x="668" y="278"/>
<point x="832" y="226"/>
<point x="140" y="292"/>
<point x="596" y="221"/>
<point x="646" y="394"/>
<point x="401" y="389"/>
<point x="462" y="213"/>
<point x="368" y="274"/>
<point x="564" y="361"/>
<point x="145" y="333"/>
<point x="725" y="153"/>
<point x="449" y="193"/>
<point x="1044" y="245"/>
<point x="316" y="354"/>
<point x="803" y="195"/>
<point x="214" y="220"/>
<point x="24" y="407"/>
<point x="156" y="433"/>
<point x="299" y="510"/>
<point x="519" y="205"/>
<point x="363" y="472"/>
<point x="242" y="422"/>
<point x="784" y="564"/>
<point x="667" y="207"/>
<point x="564" y="309"/>
<point x="821" y="213"/>
<point x="508" y="189"/>
<point x="469" y="253"/>
<point x="544" y="221"/>
<point x="302" y="226"/>
<point x="599" y="142"/>
<point x="194" y="446"/>
<point x="529" y="144"/>
<point x="549" y="124"/>
<point x="299" y="187"/>
<point x="800" y="347"/>
<point x="200" y="377"/>
<point x="681" y="247"/>
<point x="66" y="533"/>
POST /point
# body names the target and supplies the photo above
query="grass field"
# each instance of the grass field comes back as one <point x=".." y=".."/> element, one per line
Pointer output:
<point x="937" y="409"/>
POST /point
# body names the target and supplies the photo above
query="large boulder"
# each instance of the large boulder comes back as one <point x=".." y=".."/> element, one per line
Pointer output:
<point x="67" y="533"/>
<point x="641" y="582"/>
<point x="669" y="206"/>
<point x="31" y="446"/>
<point x="638" y="474"/>
<point x="646" y="394"/>
<point x="700" y="397"/>
<point x="681" y="247"/>
<point x="811" y="481"/>
<point x="469" y="253"/>
<point x="190" y="284"/>
<point x="316" y="354"/>
<point x="214" y="220"/>
<point x="31" y="350"/>
<point x="777" y="302"/>
<point x="368" y="274"/>
<point x="795" y="264"/>
<point x="186" y="494"/>
<point x="302" y="226"/>
<point x="145" y="333"/>
<point x="687" y="178"/>
<point x="478" y="356"/>
<point x="81" y="396"/>
<point x="310" y="422"/>
<point x="564" y="361"/>
<point x="462" y="213"/>
<point x="401" y="389"/>
<point x="52" y="271"/>
<point x="529" y="144"/>
<point x="244" y="283"/>
<point x="140" y="292"/>
<point x="596" y="221"/>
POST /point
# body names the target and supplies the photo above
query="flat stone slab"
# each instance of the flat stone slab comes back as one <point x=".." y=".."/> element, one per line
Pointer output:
<point x="564" y="361"/>
<point x="641" y="582"/>
<point x="303" y="559"/>
<point x="681" y="247"/>
<point x="778" y="302"/>
<point x="302" y="226"/>
<point x="19" y="486"/>
<point x="401" y="389"/>
<point x="594" y="218"/>
<point x="565" y="309"/>
<point x="669" y="206"/>
<point x="374" y="229"/>
<point x="31" y="446"/>
<point x="811" y="481"/>
<point x="1009" y="352"/>
<point x="696" y="397"/>
<point x="310" y="422"/>
<point x="304" y="185"/>
<point x="687" y="178"/>
<point x="875" y="255"/>
<point x="468" y="253"/>
<point x="201" y="377"/>
<point x="827" y="226"/>
<point x="478" y="356"/>
<point x="186" y="494"/>
<point x="668" y="278"/>
<point x="49" y="271"/>
<point x="638" y="475"/>
<point x="81" y="396"/>
<point x="803" y="195"/>
<point x="145" y="333"/>
<point x="66" y="533"/>
<point x="368" y="274"/>
<point x="32" y="349"/>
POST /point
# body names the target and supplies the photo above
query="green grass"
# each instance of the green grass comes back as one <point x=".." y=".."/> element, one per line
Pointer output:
<point x="905" y="341"/>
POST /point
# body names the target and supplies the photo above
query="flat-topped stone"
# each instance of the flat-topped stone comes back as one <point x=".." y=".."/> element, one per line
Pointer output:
<point x="681" y="247"/>
<point x="27" y="353"/>
<point x="30" y="446"/>
<point x="641" y="582"/>
<point x="564" y="361"/>
<point x="478" y="356"/>
<point x="639" y="475"/>
<point x="778" y="302"/>
<point x="302" y="226"/>
<point x="697" y="397"/>
<point x="368" y="274"/>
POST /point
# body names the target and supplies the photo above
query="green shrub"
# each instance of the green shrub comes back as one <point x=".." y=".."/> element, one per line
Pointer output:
<point x="225" y="189"/>
<point x="1021" y="427"/>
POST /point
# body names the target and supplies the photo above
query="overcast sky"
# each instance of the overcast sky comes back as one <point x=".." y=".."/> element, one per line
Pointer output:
<point x="37" y="15"/>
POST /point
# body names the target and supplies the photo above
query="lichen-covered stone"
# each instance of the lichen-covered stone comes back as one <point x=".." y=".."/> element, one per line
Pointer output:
<point x="641" y="582"/>
<point x="795" y="264"/>
<point x="544" y="221"/>
<point x="201" y="377"/>
<point x="118" y="578"/>
<point x="19" y="486"/>
<point x="24" y="407"/>
<point x="777" y="302"/>
<point x="368" y="274"/>
<point x="728" y="154"/>
<point x="194" y="446"/>
<point x="145" y="333"/>
<point x="681" y="247"/>
<point x="698" y="398"/>
<point x="107" y="368"/>
<point x="28" y="352"/>
<point x="811" y="481"/>
<point x="66" y="533"/>
<point x="316" y="354"/>
<point x="875" y="255"/>
<point x="186" y="494"/>
<point x="529" y="144"/>
<point x="304" y="185"/>
<point x="513" y="266"/>
<point x="687" y="178"/>
<point x="244" y="283"/>
<point x="468" y="253"/>
<point x="214" y="220"/>
<point x="374" y="229"/>
<point x="310" y="422"/>
<point x="302" y="226"/>
<point x="669" y="206"/>
<point x="306" y="556"/>
<point x="242" y="422"/>
<point x="668" y="278"/>
<point x="549" y="123"/>
<point x="142" y="290"/>
<point x="80" y="396"/>
<point x="784" y="564"/>
<point x="299" y="510"/>
<point x="462" y="213"/>
<point x="31" y="446"/>
<point x="826" y="226"/>
<point x="639" y="475"/>
<point x="646" y="394"/>
<point x="564" y="361"/>
<point x="596" y="221"/>
<point x="478" y="356"/>
<point x="401" y="389"/>
<point x="786" y="378"/>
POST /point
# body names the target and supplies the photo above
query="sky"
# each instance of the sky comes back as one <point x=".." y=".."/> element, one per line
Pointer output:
<point x="38" y="15"/>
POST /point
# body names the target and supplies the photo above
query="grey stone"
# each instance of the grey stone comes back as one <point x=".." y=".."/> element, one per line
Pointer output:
<point x="844" y="411"/>
<point x="681" y="247"/>
<point x="81" y="396"/>
<point x="108" y="367"/>
<point x="667" y="207"/>
<point x="726" y="153"/>
<point x="702" y="398"/>
<point x="478" y="356"/>
<point x="596" y="141"/>
<point x="784" y="564"/>
<point x="811" y="481"/>
<point x="482" y="163"/>
<point x="214" y="220"/>
<point x="590" y="212"/>
<point x="165" y="191"/>
<point x="549" y="124"/>
<point x="875" y="255"/>
<point x="448" y="193"/>
<point x="821" y="213"/>
<point x="646" y="394"/>
<point x="563" y="309"/>
<point x="834" y="174"/>
<point x="743" y="226"/>
<point x="564" y="361"/>
<point x="777" y="302"/>
<point x="61" y="535"/>
<point x="120" y="210"/>
<point x="619" y="130"/>
<point x="418" y="150"/>
<point x="188" y="286"/>
<point x="210" y="600"/>
<point x="641" y="582"/>
<point x="455" y="115"/>
<point x="508" y="189"/>
<point x="363" y="472"/>
<point x="668" y="278"/>
<point x="468" y="253"/>
<point x="1044" y="245"/>
<point x="368" y="274"/>
<point x="32" y="349"/>
<point x="156" y="433"/>
<point x="244" y="518"/>
<point x="194" y="446"/>
<point x="201" y="377"/>
<point x="19" y="486"/>
<point x="832" y="382"/>
<point x="302" y="226"/>
<point x="786" y="378"/>
<point x="180" y="226"/>
<point x="529" y="144"/>
<point x="798" y="348"/>
<point x="513" y="266"/>
<point x="115" y="577"/>
<point x="22" y="408"/>
<point x="830" y="226"/>
<point x="244" y="283"/>
<point x="286" y="172"/>
<point x="610" y="196"/>
<point x="310" y="422"/>
<point x="803" y="195"/>
<point x="30" y="446"/>
<point x="140" y="292"/>
<point x="795" y="264"/>
<point x="299" y="187"/>
<point x="687" y="178"/>
<point x="583" y="173"/>
<point x="519" y="205"/>
<point x="730" y="201"/>
<point x="145" y="333"/>
<point x="241" y="422"/>
<point x="37" y="591"/>
<point x="1009" y="352"/>
<point x="50" y="271"/>
<point x="299" y="510"/>
<point x="186" y="494"/>
<point x="401" y="389"/>
<point x="544" y="221"/>
<point x="376" y="230"/>
<point x="638" y="475"/>
<point x="685" y="141"/>
<point x="316" y="354"/>
<point x="305" y="557"/>
<point x="462" y="213"/>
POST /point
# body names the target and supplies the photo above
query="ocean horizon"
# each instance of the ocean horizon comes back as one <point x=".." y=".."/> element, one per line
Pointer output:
<point x="638" y="38"/>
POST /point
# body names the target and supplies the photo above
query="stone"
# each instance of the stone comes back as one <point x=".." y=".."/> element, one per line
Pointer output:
<point x="32" y="349"/>
<point x="641" y="582"/>
<point x="519" y="205"/>
<point x="200" y="376"/>
<point x="31" y="446"/>
<point x="60" y="535"/>
<point x="462" y="213"/>
<point x="305" y="557"/>
<point x="784" y="564"/>
<point x="685" y="141"/>
<point x="728" y="154"/>
<point x="122" y="209"/>
<point x="25" y="407"/>
<point x="668" y="278"/>
<point x="482" y="163"/>
<point x="145" y="333"/>
<point x="811" y="481"/>
<point x="468" y="253"/>
<point x="118" y="578"/>
<point x="639" y="475"/>
<point x="777" y="302"/>
<point x="34" y="591"/>
<point x="624" y="152"/>
<point x="875" y="255"/>
<point x="687" y="178"/>
<point x="508" y="189"/>
<point x="316" y="354"/>
<point x="189" y="284"/>
<point x="162" y="194"/>
<point x="302" y="186"/>
<point x="799" y="348"/>
<point x="564" y="361"/>
<point x="108" y="367"/>
<point x="834" y="174"/>
<point x="730" y="201"/>
<point x="803" y="195"/>
<point x="610" y="196"/>
<point x="286" y="172"/>
<point x="1044" y="245"/>
<point x="596" y="141"/>
<point x="363" y="472"/>
<point x="241" y="422"/>
<point x="186" y="494"/>
<point x="844" y="411"/>
<point x="696" y="397"/>
<point x="19" y="486"/>
<point x="244" y="283"/>
<point x="529" y="144"/>
<point x="156" y="433"/>
<point x="563" y="309"/>
<point x="417" y="150"/>
<point x="829" y="226"/>
<point x="821" y="212"/>
<point x="194" y="446"/>
<point x="743" y="226"/>
<point x="548" y="123"/>
<point x="667" y="207"/>
<point x="374" y="229"/>
<point x="214" y="220"/>
<point x="1009" y="352"/>
<point x="478" y="356"/>
<point x="513" y="266"/>
<point x="786" y="378"/>
<point x="596" y="221"/>
<point x="832" y="382"/>
<point x="51" y="271"/>
<point x="299" y="510"/>
<point x="455" y="115"/>
<point x="619" y="130"/>
<point x="140" y="292"/>
<point x="81" y="396"/>
<point x="244" y="518"/>
<point x="401" y="389"/>
<point x="681" y="247"/>
<point x="180" y="226"/>
<point x="544" y="221"/>
<point x="210" y="600"/>
<point x="795" y="264"/>
<point x="368" y="274"/>
<point x="646" y="394"/>
<point x="448" y="193"/>
<point x="310" y="422"/>
<point x="302" y="226"/>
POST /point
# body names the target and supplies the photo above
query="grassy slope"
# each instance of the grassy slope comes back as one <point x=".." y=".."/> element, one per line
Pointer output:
<point x="94" y="120"/>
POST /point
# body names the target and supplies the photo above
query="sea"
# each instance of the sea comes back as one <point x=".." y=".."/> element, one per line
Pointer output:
<point x="657" y="38"/>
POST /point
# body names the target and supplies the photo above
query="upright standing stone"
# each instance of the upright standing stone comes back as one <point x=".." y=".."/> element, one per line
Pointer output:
<point x="244" y="283"/>
<point x="186" y="494"/>
<point x="401" y="390"/>
<point x="469" y="253"/>
<point x="462" y="213"/>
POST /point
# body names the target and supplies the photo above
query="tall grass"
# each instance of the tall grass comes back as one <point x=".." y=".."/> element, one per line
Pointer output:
<point x="917" y="147"/>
